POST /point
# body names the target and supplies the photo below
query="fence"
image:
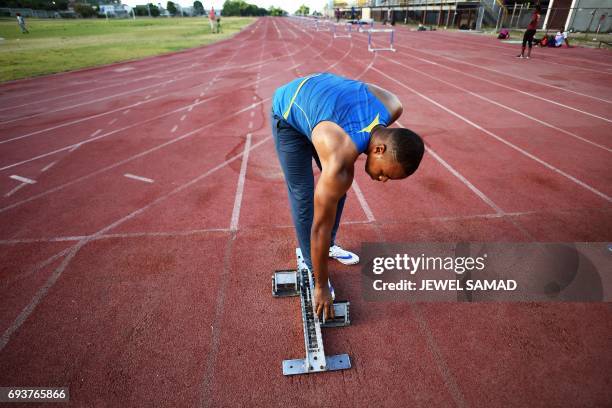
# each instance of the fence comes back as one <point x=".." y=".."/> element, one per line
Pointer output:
<point x="26" y="12"/>
<point x="573" y="19"/>
<point x="492" y="14"/>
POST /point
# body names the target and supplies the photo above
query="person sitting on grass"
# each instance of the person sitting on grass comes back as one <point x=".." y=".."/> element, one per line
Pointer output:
<point x="333" y="120"/>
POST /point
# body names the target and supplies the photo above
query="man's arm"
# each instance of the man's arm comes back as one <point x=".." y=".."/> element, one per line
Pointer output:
<point x="335" y="180"/>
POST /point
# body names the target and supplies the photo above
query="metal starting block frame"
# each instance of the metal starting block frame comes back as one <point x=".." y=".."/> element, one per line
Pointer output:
<point x="348" y="28"/>
<point x="381" y="30"/>
<point x="301" y="283"/>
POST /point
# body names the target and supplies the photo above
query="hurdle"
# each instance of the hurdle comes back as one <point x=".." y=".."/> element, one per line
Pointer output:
<point x="300" y="283"/>
<point x="321" y="27"/>
<point x="348" y="28"/>
<point x="381" y="30"/>
<point x="369" y="22"/>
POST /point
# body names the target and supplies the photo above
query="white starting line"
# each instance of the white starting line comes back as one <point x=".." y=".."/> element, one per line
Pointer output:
<point x="134" y="177"/>
<point x="22" y="179"/>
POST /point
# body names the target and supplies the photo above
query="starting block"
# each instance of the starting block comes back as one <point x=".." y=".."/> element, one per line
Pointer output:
<point x="372" y="48"/>
<point x="300" y="282"/>
<point x="348" y="28"/>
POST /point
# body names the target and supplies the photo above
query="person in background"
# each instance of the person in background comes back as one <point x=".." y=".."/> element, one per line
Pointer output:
<point x="561" y="38"/>
<point x="212" y="19"/>
<point x="504" y="34"/>
<point x="530" y="32"/>
<point x="22" y="24"/>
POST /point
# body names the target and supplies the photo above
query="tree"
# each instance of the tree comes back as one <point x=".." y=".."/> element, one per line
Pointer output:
<point x="274" y="11"/>
<point x="141" y="11"/>
<point x="171" y="8"/>
<point x="154" y="10"/>
<point x="85" y="10"/>
<point x="198" y="8"/>
<point x="303" y="10"/>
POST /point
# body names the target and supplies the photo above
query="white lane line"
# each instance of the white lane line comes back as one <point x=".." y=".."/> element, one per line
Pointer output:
<point x="73" y="148"/>
<point x="502" y="140"/>
<point x="112" y="121"/>
<point x="125" y="112"/>
<point x="159" y="97"/>
<point x="14" y="190"/>
<point x="174" y="128"/>
<point x="132" y="176"/>
<point x="48" y="166"/>
<point x="240" y="186"/>
<point x="190" y="108"/>
<point x="436" y="78"/>
<point x="71" y="253"/>
<point x="454" y="172"/>
<point x="480" y="78"/>
<point x="22" y="179"/>
<point x="183" y="117"/>
<point x="251" y="125"/>
<point x="197" y="100"/>
<point x="363" y="202"/>
<point x="147" y="97"/>
<point x="201" y="94"/>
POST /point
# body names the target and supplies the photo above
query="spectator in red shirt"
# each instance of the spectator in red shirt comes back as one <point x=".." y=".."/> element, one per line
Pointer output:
<point x="530" y="32"/>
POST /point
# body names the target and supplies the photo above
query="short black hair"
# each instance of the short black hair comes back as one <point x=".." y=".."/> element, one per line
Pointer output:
<point x="407" y="148"/>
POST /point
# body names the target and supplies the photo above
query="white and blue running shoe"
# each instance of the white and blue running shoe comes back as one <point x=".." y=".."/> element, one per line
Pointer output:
<point x="341" y="255"/>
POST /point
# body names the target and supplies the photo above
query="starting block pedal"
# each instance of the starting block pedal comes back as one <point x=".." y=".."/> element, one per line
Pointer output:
<point x="341" y="315"/>
<point x="300" y="282"/>
<point x="285" y="283"/>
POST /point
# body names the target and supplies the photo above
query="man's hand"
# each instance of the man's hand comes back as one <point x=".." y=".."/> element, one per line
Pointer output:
<point x="323" y="302"/>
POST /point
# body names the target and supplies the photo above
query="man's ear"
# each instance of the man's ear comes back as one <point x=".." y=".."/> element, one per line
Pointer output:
<point x="380" y="148"/>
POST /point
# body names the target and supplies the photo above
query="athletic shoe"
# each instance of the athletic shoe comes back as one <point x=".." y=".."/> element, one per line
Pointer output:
<point x="520" y="56"/>
<point x="527" y="57"/>
<point x="340" y="255"/>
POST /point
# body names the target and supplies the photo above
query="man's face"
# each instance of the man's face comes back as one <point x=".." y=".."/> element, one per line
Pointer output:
<point x="382" y="167"/>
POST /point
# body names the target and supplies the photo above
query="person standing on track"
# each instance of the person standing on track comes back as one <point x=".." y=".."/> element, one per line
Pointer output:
<point x="333" y="120"/>
<point x="530" y="32"/>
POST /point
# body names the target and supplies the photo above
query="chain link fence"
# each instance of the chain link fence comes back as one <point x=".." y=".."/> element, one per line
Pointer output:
<point x="572" y="19"/>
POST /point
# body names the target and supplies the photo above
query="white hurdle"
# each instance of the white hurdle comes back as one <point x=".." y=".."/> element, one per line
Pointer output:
<point x="381" y="30"/>
<point x="369" y="22"/>
<point x="321" y="25"/>
<point x="348" y="28"/>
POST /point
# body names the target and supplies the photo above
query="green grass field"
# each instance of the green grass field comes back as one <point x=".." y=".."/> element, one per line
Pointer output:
<point x="63" y="45"/>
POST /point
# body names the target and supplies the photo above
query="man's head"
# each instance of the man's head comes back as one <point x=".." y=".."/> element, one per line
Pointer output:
<point x="393" y="153"/>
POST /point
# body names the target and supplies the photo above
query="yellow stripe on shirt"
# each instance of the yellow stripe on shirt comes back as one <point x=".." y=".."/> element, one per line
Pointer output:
<point x="286" y="114"/>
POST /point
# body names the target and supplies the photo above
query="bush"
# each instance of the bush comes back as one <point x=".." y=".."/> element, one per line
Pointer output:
<point x="85" y="10"/>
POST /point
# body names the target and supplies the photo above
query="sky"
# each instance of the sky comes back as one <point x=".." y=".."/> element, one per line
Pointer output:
<point x="287" y="5"/>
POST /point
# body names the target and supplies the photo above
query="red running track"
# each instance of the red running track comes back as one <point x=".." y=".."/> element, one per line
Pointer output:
<point x="136" y="267"/>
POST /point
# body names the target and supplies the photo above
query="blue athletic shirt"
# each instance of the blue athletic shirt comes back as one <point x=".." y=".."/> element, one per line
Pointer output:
<point x="304" y="102"/>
